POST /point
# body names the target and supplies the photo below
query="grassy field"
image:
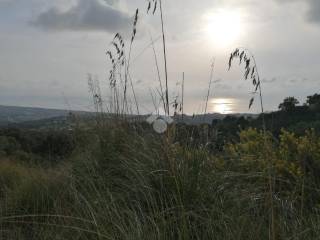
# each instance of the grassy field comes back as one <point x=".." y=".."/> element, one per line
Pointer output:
<point x="125" y="182"/>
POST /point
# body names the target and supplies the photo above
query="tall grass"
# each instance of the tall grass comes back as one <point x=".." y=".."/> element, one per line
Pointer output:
<point x="154" y="4"/>
<point x="127" y="183"/>
<point x="209" y="88"/>
<point x="251" y="72"/>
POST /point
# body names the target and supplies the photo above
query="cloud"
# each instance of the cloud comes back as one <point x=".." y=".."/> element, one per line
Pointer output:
<point x="221" y="86"/>
<point x="85" y="15"/>
<point x="269" y="80"/>
<point x="314" y="11"/>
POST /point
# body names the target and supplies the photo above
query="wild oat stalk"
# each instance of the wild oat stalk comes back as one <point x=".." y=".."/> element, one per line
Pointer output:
<point x="182" y="97"/>
<point x="251" y="72"/>
<point x="209" y="88"/>
<point x="158" y="73"/>
<point x="121" y="63"/>
<point x="116" y="55"/>
<point x="154" y="5"/>
<point x="127" y="74"/>
<point x="95" y="91"/>
<point x="175" y="105"/>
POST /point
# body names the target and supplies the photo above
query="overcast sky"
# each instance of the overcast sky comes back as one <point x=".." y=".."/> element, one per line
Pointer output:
<point x="47" y="48"/>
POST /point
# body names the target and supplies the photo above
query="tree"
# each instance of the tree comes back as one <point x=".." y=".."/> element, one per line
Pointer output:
<point x="288" y="104"/>
<point x="314" y="101"/>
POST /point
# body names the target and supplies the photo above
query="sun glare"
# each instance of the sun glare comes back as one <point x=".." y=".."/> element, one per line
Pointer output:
<point x="223" y="26"/>
<point x="222" y="105"/>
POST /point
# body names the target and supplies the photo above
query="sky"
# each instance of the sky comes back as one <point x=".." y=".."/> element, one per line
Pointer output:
<point x="48" y="48"/>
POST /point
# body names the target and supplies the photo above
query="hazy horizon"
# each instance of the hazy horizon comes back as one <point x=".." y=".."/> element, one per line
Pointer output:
<point x="49" y="47"/>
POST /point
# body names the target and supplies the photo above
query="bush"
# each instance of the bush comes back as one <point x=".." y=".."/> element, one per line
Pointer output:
<point x="8" y="145"/>
<point x="57" y="145"/>
<point x="126" y="184"/>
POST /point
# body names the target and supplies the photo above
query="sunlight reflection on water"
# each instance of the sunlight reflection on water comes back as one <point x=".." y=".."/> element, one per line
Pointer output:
<point x="223" y="105"/>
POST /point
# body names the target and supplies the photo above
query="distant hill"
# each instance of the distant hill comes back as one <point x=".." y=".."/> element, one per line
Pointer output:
<point x="208" y="118"/>
<point x="29" y="116"/>
<point x="13" y="115"/>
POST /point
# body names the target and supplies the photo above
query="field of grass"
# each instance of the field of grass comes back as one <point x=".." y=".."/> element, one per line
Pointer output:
<point x="126" y="182"/>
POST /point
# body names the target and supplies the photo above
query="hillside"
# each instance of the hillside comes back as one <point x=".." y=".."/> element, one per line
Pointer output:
<point x="30" y="116"/>
<point x="12" y="114"/>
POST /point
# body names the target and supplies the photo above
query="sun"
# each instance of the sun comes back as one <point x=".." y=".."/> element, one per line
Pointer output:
<point x="224" y="26"/>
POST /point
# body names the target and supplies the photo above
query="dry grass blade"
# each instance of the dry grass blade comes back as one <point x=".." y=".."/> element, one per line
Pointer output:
<point x="74" y="228"/>
<point x="155" y="2"/>
<point x="158" y="73"/>
<point x="209" y="88"/>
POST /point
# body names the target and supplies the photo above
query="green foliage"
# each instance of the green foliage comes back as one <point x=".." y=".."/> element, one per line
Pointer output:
<point x="36" y="146"/>
<point x="8" y="145"/>
<point x="123" y="182"/>
<point x="289" y="104"/>
<point x="314" y="101"/>
<point x="58" y="144"/>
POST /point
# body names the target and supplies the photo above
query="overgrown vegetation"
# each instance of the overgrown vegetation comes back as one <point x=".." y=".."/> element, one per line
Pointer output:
<point x="237" y="178"/>
<point x="125" y="182"/>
